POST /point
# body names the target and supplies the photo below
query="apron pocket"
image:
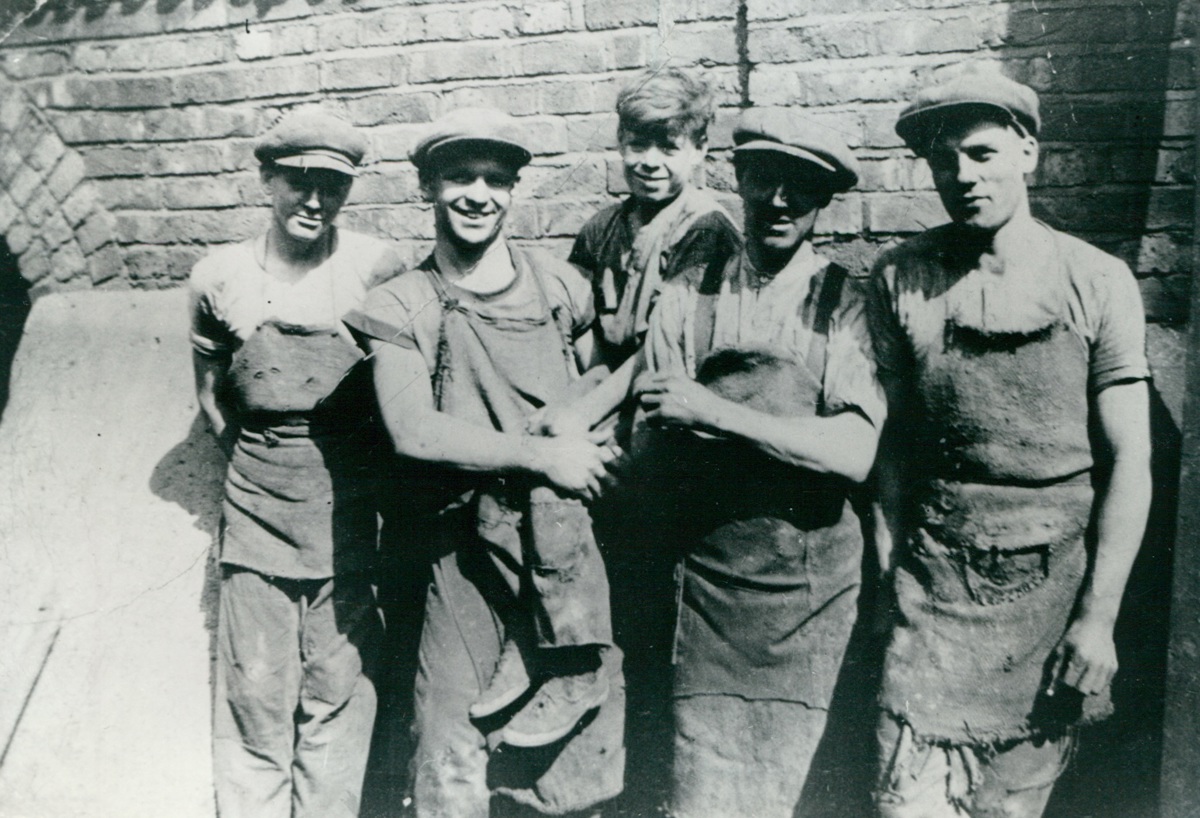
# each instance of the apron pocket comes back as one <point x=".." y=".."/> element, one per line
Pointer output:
<point x="994" y="576"/>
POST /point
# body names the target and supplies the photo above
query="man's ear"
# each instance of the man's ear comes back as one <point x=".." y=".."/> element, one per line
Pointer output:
<point x="265" y="173"/>
<point x="1029" y="155"/>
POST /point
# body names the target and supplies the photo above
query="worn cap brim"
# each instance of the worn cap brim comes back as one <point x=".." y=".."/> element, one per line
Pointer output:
<point x="324" y="159"/>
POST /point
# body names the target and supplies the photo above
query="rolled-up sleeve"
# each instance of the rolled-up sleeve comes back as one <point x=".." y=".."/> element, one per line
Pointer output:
<point x="851" y="382"/>
<point x="210" y="336"/>
<point x="1118" y="346"/>
<point x="384" y="316"/>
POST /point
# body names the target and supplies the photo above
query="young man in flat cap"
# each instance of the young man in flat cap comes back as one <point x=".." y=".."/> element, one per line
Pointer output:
<point x="467" y="346"/>
<point x="760" y="391"/>
<point x="1015" y="470"/>
<point x="277" y="378"/>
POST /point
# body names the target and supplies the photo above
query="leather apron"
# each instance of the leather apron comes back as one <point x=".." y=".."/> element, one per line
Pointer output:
<point x="299" y="495"/>
<point x="770" y="573"/>
<point x="988" y="580"/>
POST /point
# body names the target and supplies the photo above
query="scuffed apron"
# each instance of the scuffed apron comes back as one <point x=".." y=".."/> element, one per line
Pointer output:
<point x="299" y="495"/>
<point x="495" y="372"/>
<point x="990" y="575"/>
<point x="770" y="573"/>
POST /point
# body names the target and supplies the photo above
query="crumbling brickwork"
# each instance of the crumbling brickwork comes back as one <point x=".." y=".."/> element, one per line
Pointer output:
<point x="127" y="127"/>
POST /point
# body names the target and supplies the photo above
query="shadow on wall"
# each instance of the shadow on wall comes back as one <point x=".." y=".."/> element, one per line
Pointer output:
<point x="14" y="310"/>
<point x="62" y="11"/>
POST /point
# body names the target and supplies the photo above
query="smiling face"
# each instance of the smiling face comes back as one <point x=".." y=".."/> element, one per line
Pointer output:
<point x="658" y="164"/>
<point x="783" y="197"/>
<point x="979" y="169"/>
<point x="304" y="202"/>
<point x="471" y="194"/>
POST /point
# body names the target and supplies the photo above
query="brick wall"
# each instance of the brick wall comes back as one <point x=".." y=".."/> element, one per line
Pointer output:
<point x="147" y="113"/>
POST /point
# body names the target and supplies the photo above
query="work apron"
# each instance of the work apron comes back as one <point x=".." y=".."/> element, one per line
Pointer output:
<point x="494" y="372"/>
<point x="770" y="573"/>
<point x="299" y="495"/>
<point x="989" y="578"/>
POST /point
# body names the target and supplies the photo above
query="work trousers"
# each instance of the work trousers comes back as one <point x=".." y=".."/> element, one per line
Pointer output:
<point x="735" y="756"/>
<point x="294" y="702"/>
<point x="920" y="780"/>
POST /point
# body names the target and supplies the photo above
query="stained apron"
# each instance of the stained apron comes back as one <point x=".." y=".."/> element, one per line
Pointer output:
<point x="299" y="494"/>
<point x="989" y="578"/>
<point x="770" y="570"/>
<point x="494" y="372"/>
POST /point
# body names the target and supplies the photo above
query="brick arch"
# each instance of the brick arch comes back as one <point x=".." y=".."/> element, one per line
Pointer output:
<point x="50" y="215"/>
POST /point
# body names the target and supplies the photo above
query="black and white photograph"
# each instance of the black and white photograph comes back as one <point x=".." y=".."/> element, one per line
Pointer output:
<point x="599" y="409"/>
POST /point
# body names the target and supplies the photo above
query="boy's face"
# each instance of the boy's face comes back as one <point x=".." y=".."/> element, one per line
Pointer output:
<point x="471" y="195"/>
<point x="658" y="165"/>
<point x="305" y="201"/>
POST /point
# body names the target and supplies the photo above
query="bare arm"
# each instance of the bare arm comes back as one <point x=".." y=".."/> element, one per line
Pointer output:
<point x="572" y="464"/>
<point x="842" y="444"/>
<point x="590" y="408"/>
<point x="1086" y="658"/>
<point x="210" y="374"/>
<point x="891" y="479"/>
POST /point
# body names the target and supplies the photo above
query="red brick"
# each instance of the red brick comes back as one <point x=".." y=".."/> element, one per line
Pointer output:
<point x="1164" y="253"/>
<point x="549" y="56"/>
<point x="161" y="159"/>
<point x="445" y="25"/>
<point x="67" y="262"/>
<point x="11" y="161"/>
<point x="843" y="216"/>
<point x="202" y="226"/>
<point x="153" y="263"/>
<point x="185" y="192"/>
<point x="897" y="172"/>
<point x="580" y="176"/>
<point x="594" y="132"/>
<point x="46" y="152"/>
<point x="565" y="217"/>
<point x="39" y="207"/>
<point x="254" y="45"/>
<point x="1166" y="297"/>
<point x="390" y="185"/>
<point x="399" y="222"/>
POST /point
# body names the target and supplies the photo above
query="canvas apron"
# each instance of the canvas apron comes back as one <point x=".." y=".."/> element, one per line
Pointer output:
<point x="769" y="578"/>
<point x="494" y="371"/>
<point x="991" y="573"/>
<point x="299" y="499"/>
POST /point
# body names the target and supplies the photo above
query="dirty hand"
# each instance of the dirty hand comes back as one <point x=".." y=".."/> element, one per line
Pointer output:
<point x="575" y="464"/>
<point x="556" y="420"/>
<point x="1085" y="658"/>
<point x="678" y="401"/>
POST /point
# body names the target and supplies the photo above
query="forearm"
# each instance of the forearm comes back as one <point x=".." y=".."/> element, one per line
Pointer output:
<point x="441" y="439"/>
<point x="608" y="395"/>
<point x="843" y="444"/>
<point x="1121" y="515"/>
<point x="222" y="419"/>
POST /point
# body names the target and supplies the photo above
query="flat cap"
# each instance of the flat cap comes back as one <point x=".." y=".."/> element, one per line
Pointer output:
<point x="787" y="131"/>
<point x="972" y="88"/>
<point x="484" y="128"/>
<point x="313" y="139"/>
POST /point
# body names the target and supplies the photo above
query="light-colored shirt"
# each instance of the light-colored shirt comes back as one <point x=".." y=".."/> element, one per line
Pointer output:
<point x="232" y="294"/>
<point x="776" y="314"/>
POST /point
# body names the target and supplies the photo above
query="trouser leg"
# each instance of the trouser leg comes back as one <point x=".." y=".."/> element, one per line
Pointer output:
<point x="258" y="678"/>
<point x="934" y="781"/>
<point x="739" y="757"/>
<point x="339" y="637"/>
<point x="451" y="758"/>
<point x="567" y="574"/>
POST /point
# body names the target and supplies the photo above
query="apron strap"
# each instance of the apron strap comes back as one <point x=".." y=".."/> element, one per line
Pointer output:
<point x="827" y="302"/>
<point x="706" y="307"/>
<point x="442" y="357"/>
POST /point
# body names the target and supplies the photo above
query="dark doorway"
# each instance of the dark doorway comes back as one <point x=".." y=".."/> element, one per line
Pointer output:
<point x="14" y="309"/>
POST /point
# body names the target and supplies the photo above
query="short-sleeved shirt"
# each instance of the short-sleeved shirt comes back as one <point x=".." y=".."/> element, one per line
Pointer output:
<point x="606" y="240"/>
<point x="776" y="314"/>
<point x="406" y="311"/>
<point x="232" y="294"/>
<point x="913" y="289"/>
